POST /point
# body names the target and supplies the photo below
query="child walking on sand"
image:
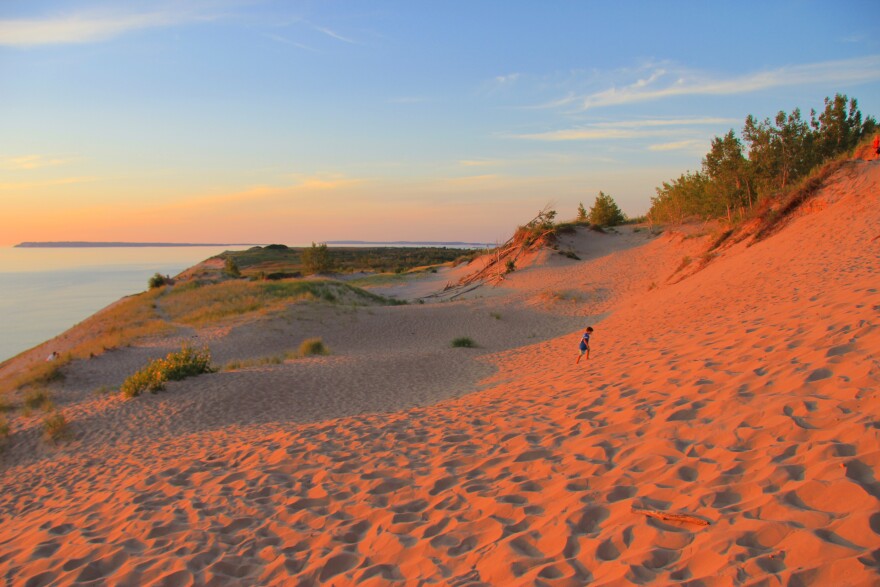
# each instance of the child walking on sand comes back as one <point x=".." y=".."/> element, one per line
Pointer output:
<point x="585" y="344"/>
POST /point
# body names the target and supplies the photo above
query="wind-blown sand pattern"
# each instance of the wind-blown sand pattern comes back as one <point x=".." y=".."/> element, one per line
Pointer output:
<point x="744" y="395"/>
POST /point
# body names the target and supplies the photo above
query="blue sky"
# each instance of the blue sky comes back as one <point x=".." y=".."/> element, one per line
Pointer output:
<point x="294" y="121"/>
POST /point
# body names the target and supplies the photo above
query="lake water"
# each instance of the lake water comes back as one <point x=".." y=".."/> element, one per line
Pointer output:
<point x="45" y="291"/>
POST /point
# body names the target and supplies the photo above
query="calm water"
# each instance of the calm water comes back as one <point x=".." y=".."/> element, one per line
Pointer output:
<point x="43" y="292"/>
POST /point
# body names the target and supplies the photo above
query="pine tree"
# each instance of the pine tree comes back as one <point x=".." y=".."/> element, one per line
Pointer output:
<point x="605" y="212"/>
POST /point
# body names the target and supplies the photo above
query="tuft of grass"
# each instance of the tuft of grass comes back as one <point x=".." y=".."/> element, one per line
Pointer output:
<point x="36" y="398"/>
<point x="495" y="315"/>
<point x="721" y="239"/>
<point x="237" y="364"/>
<point x="685" y="261"/>
<point x="464" y="342"/>
<point x="4" y="429"/>
<point x="55" y="427"/>
<point x="6" y="405"/>
<point x="313" y="346"/>
<point x="186" y="362"/>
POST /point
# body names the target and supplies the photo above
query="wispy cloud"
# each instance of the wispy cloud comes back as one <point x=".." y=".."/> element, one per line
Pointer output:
<point x="687" y="145"/>
<point x="331" y="33"/>
<point x="625" y="129"/>
<point x="88" y="28"/>
<point x="480" y="162"/>
<point x="660" y="82"/>
<point x="507" y="79"/>
<point x="285" y="41"/>
<point x="28" y="162"/>
<point x="21" y="186"/>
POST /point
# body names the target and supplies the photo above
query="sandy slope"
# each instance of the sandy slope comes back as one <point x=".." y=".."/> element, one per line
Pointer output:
<point x="745" y="394"/>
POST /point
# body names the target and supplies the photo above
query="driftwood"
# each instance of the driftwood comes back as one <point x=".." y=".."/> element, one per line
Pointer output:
<point x="671" y="517"/>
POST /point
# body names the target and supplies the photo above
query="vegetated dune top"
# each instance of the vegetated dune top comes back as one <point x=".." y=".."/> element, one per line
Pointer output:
<point x="738" y="387"/>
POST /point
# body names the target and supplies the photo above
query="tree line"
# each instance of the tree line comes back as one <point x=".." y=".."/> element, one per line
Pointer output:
<point x="739" y="173"/>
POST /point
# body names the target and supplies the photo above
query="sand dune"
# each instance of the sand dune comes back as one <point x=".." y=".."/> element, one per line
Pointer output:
<point x="745" y="395"/>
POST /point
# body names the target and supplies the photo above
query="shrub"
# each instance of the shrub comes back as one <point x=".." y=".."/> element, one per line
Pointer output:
<point x="230" y="267"/>
<point x="313" y="346"/>
<point x="157" y="280"/>
<point x="56" y="427"/>
<point x="36" y="398"/>
<point x="184" y="363"/>
<point x="464" y="342"/>
<point x="4" y="428"/>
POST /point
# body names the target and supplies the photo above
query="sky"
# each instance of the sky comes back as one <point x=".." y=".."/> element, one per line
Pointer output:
<point x="250" y="121"/>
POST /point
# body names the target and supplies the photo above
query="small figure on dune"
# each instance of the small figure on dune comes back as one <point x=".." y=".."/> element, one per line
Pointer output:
<point x="585" y="344"/>
<point x="52" y="356"/>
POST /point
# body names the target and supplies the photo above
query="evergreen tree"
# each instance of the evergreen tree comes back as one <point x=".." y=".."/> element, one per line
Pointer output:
<point x="726" y="169"/>
<point x="316" y="259"/>
<point x="605" y="212"/>
<point x="582" y="212"/>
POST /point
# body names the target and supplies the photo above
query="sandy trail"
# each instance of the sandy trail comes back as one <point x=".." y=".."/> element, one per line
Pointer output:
<point x="745" y="394"/>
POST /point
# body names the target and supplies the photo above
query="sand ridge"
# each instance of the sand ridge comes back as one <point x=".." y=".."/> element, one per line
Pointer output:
<point x="745" y="394"/>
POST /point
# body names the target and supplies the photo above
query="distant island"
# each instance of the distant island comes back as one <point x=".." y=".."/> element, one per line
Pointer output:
<point x="410" y="243"/>
<point x="87" y="244"/>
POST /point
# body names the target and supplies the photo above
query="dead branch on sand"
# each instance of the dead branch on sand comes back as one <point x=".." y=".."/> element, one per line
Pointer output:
<point x="671" y="517"/>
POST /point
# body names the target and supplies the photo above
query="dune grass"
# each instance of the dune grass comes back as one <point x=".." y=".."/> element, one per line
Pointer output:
<point x="198" y="304"/>
<point x="186" y="362"/>
<point x="313" y="346"/>
<point x="464" y="342"/>
<point x="237" y="364"/>
<point x="56" y="427"/>
<point x="38" y="398"/>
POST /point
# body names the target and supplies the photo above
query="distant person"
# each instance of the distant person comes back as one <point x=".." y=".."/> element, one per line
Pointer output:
<point x="585" y="344"/>
<point x="877" y="146"/>
<point x="52" y="356"/>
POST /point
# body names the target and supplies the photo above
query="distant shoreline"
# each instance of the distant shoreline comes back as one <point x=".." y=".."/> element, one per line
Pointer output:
<point x="87" y="244"/>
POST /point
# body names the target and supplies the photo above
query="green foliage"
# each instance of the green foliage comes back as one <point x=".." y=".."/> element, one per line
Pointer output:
<point x="773" y="155"/>
<point x="230" y="268"/>
<point x="464" y="342"/>
<point x="316" y="259"/>
<point x="56" y="427"/>
<point x="541" y="229"/>
<point x="313" y="346"/>
<point x="200" y="304"/>
<point x="510" y="266"/>
<point x="605" y="212"/>
<point x="289" y="262"/>
<point x="582" y="212"/>
<point x="157" y="280"/>
<point x="184" y="363"/>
